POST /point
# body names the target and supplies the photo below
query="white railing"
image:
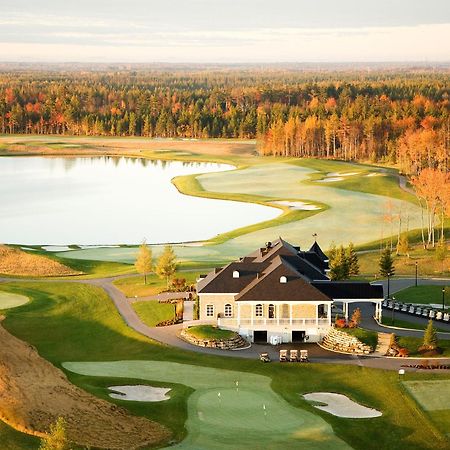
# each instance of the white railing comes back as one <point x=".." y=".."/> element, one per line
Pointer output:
<point x="226" y="321"/>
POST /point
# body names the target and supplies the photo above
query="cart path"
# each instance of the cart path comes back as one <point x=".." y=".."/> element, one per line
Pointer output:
<point x="169" y="335"/>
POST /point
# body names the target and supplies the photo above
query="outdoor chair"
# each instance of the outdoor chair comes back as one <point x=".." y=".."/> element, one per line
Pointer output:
<point x="293" y="356"/>
<point x="283" y="355"/>
<point x="418" y="311"/>
<point x="425" y="312"/>
<point x="404" y="308"/>
<point x="304" y="356"/>
<point x="439" y="315"/>
<point x="264" y="357"/>
<point x="432" y="314"/>
<point x="446" y="317"/>
<point x="411" y="310"/>
<point x="397" y="306"/>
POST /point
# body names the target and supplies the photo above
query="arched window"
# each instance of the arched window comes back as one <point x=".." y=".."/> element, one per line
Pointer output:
<point x="228" y="310"/>
<point x="209" y="310"/>
<point x="271" y="311"/>
<point x="283" y="279"/>
<point x="235" y="273"/>
<point x="259" y="310"/>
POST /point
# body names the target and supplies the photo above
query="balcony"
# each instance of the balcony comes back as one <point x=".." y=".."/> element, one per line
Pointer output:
<point x="260" y="321"/>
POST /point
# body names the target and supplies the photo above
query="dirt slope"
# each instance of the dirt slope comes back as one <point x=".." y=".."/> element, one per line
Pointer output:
<point x="14" y="261"/>
<point x="34" y="393"/>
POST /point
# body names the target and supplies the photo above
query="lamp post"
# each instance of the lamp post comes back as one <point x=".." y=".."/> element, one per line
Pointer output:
<point x="443" y="299"/>
<point x="416" y="273"/>
<point x="389" y="277"/>
<point x="393" y="310"/>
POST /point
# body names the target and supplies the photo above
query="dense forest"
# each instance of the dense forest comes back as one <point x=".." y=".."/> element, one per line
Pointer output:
<point x="398" y="116"/>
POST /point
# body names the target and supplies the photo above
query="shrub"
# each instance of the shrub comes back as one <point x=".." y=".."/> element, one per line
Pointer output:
<point x="341" y="323"/>
<point x="356" y="317"/>
<point x="403" y="352"/>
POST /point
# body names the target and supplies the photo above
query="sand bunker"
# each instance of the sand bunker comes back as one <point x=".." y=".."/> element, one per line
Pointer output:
<point x="329" y="180"/>
<point x="9" y="300"/>
<point x="297" y="205"/>
<point x="34" y="393"/>
<point x="341" y="406"/>
<point x="139" y="393"/>
<point x="56" y="248"/>
<point x="373" y="174"/>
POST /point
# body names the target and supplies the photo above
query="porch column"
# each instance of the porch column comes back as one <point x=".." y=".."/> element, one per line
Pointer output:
<point x="265" y="312"/>
<point x="329" y="314"/>
<point x="380" y="311"/>
<point x="317" y="316"/>
<point x="277" y="309"/>
<point x="345" y="310"/>
<point x="252" y="308"/>
<point x="290" y="313"/>
<point x="239" y="315"/>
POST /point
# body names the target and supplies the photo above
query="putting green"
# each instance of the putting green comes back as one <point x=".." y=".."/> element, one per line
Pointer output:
<point x="9" y="300"/>
<point x="432" y="395"/>
<point x="228" y="409"/>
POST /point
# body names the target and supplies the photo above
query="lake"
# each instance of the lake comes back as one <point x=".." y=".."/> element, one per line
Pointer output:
<point x="107" y="200"/>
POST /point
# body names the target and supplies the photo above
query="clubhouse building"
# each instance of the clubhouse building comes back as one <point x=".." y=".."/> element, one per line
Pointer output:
<point x="279" y="293"/>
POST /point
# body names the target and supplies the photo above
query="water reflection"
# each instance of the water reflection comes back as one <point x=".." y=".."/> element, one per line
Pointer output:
<point x="110" y="200"/>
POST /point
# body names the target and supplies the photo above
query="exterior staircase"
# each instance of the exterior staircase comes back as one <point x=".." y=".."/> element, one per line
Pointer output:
<point x="341" y="341"/>
<point x="384" y="340"/>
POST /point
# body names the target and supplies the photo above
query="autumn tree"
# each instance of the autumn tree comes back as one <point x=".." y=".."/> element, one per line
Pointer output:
<point x="166" y="264"/>
<point x="56" y="438"/>
<point x="144" y="260"/>
<point x="356" y="316"/>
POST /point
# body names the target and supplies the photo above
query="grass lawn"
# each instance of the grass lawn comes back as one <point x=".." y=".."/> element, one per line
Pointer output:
<point x="134" y="285"/>
<point x="210" y="332"/>
<point x="152" y="312"/>
<point x="413" y="343"/>
<point x="424" y="294"/>
<point x="405" y="324"/>
<point x="72" y="322"/>
<point x="365" y="336"/>
<point x="436" y="406"/>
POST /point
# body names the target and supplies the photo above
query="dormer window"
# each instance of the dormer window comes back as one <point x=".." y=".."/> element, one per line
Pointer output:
<point x="283" y="279"/>
<point x="235" y="273"/>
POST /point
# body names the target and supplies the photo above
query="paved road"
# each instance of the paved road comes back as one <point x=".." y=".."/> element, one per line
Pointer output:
<point x="169" y="335"/>
<point x="397" y="284"/>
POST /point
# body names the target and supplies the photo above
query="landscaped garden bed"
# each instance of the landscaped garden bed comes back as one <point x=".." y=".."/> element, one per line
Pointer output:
<point x="210" y="336"/>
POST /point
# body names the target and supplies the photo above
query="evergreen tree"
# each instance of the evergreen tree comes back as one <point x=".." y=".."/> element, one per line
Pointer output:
<point x="386" y="264"/>
<point x="144" y="262"/>
<point x="352" y="258"/>
<point x="167" y="264"/>
<point x="430" y="340"/>
<point x="56" y="439"/>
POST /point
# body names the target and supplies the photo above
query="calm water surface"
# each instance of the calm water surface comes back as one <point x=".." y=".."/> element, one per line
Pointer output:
<point x="103" y="200"/>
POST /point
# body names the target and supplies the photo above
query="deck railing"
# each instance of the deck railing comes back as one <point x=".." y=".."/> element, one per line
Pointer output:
<point x="228" y="321"/>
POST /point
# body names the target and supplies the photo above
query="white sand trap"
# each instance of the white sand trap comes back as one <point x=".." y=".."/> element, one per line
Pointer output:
<point x="298" y="205"/>
<point x="329" y="180"/>
<point x="140" y="393"/>
<point x="9" y="300"/>
<point x="29" y="249"/>
<point x="373" y="174"/>
<point x="341" y="406"/>
<point x="348" y="174"/>
<point x="56" y="248"/>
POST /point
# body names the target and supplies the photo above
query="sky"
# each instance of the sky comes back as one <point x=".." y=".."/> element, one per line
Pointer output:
<point x="224" y="31"/>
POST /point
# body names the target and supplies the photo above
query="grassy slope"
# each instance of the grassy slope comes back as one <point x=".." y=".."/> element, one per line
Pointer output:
<point x="365" y="336"/>
<point x="152" y="312"/>
<point x="132" y="286"/>
<point x="69" y="322"/>
<point x="412" y="344"/>
<point x="424" y="294"/>
<point x="209" y="332"/>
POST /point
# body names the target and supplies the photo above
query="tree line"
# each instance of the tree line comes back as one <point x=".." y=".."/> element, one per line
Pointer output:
<point x="398" y="116"/>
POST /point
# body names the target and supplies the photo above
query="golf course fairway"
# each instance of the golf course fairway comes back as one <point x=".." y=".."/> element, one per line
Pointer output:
<point x="228" y="409"/>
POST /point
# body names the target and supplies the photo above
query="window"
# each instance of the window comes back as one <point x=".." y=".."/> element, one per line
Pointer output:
<point x="283" y="279"/>
<point x="235" y="273"/>
<point x="271" y="311"/>
<point x="209" y="310"/>
<point x="228" y="310"/>
<point x="259" y="311"/>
